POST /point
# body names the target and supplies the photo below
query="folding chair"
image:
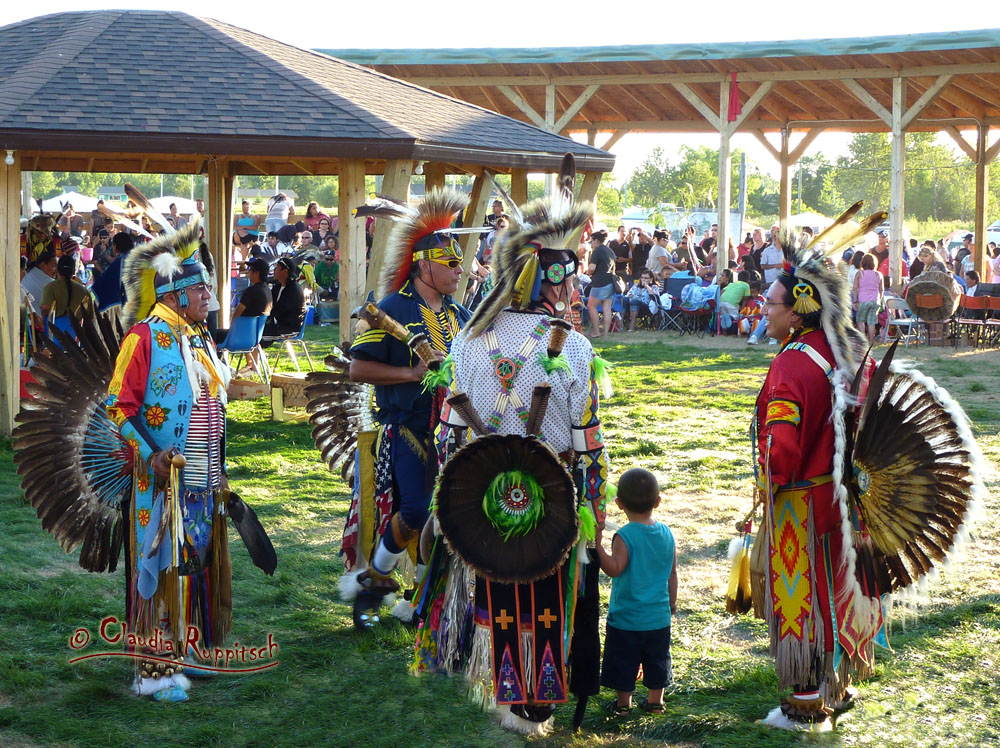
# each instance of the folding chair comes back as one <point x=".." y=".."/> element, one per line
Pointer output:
<point x="243" y="337"/>
<point x="698" y="321"/>
<point x="970" y="319"/>
<point x="672" y="317"/>
<point x="926" y="305"/>
<point x="617" y="314"/>
<point x="900" y="319"/>
<point x="992" y="326"/>
<point x="287" y="342"/>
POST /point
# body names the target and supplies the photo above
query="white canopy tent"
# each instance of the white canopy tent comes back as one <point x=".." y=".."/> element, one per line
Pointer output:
<point x="185" y="206"/>
<point x="81" y="203"/>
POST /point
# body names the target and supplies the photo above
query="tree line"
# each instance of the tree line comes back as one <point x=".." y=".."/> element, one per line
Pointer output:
<point x="939" y="184"/>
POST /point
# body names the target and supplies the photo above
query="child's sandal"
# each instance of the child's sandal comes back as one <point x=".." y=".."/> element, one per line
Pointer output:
<point x="650" y="708"/>
<point x="616" y="709"/>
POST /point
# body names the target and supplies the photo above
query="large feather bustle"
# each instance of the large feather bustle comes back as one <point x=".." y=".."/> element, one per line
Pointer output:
<point x="543" y="227"/>
<point x="338" y="410"/>
<point x="73" y="463"/>
<point x="437" y="212"/>
<point x="140" y="268"/>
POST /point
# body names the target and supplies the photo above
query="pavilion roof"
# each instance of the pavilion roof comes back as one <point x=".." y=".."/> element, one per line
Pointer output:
<point x="168" y="82"/>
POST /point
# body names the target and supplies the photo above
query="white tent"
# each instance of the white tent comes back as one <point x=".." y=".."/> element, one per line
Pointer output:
<point x="184" y="206"/>
<point x="812" y="220"/>
<point x="81" y="203"/>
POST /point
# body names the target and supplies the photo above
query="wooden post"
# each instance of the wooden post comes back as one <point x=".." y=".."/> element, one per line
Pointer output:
<point x="519" y="186"/>
<point x="725" y="178"/>
<point x="896" y="196"/>
<point x="982" y="182"/>
<point x="26" y="187"/>
<point x="219" y="215"/>
<point x="395" y="184"/>
<point x="785" y="189"/>
<point x="588" y="194"/>
<point x="433" y="176"/>
<point x="10" y="299"/>
<point x="352" y="241"/>
<point x="482" y="189"/>
<point x="550" y="124"/>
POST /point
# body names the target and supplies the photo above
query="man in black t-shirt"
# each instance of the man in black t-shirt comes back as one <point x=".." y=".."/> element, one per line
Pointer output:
<point x="622" y="249"/>
<point x="289" y="309"/>
<point x="256" y="300"/>
<point x="602" y="282"/>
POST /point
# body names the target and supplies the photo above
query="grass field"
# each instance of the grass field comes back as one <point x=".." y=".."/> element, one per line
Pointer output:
<point x="681" y="409"/>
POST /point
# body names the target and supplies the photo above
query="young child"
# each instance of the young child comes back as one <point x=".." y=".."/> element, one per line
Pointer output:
<point x="643" y="568"/>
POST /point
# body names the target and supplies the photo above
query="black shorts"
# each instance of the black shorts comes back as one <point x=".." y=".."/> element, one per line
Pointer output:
<point x="624" y="651"/>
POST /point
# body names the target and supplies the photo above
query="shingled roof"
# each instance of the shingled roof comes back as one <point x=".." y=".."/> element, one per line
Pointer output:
<point x="168" y="82"/>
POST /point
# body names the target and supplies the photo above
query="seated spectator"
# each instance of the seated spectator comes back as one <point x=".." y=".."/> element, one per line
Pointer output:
<point x="314" y="216"/>
<point x="39" y="275"/>
<point x="327" y="274"/>
<point x="642" y="299"/>
<point x="731" y="296"/>
<point x="71" y="223"/>
<point x="971" y="283"/>
<point x="753" y="308"/>
<point x="289" y="308"/>
<point x="66" y="294"/>
<point x="323" y="231"/>
<point x="659" y="258"/>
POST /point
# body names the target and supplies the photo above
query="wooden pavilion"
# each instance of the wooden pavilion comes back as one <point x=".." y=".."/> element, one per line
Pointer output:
<point x="165" y="92"/>
<point x="792" y="89"/>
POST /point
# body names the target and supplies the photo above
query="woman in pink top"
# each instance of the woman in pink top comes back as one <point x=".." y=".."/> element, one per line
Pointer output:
<point x="867" y="296"/>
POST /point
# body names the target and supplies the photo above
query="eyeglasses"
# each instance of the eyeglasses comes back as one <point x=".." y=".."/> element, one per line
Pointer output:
<point x="451" y="262"/>
<point x="768" y="302"/>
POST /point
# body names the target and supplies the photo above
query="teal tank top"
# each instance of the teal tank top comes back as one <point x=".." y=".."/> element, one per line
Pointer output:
<point x="640" y="596"/>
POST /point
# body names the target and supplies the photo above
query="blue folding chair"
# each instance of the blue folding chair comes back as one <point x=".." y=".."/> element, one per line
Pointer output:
<point x="63" y="323"/>
<point x="243" y="337"/>
<point x="286" y="342"/>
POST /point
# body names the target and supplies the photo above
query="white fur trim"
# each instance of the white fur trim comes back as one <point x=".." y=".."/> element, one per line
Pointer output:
<point x="776" y="718"/>
<point x="404" y="611"/>
<point x="348" y="585"/>
<point x="166" y="264"/>
<point x="510" y="721"/>
<point x="148" y="686"/>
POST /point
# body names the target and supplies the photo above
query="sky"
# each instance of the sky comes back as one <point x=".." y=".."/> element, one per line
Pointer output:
<point x="530" y="23"/>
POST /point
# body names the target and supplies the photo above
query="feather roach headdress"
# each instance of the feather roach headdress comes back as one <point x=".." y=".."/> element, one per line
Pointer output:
<point x="168" y="263"/>
<point x="544" y="224"/>
<point x="816" y="286"/>
<point x="421" y="233"/>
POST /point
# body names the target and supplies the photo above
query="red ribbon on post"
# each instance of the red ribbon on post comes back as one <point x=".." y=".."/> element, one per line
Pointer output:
<point x="734" y="98"/>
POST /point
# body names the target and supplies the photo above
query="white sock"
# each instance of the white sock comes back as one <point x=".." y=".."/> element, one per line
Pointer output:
<point x="385" y="560"/>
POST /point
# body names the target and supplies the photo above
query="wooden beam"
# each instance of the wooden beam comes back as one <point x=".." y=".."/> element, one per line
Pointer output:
<point x="747" y="109"/>
<point x="694" y="100"/>
<point x="575" y="107"/>
<point x="796" y="153"/>
<point x="982" y="184"/>
<point x="482" y="189"/>
<point x="433" y="176"/>
<point x="588" y="194"/>
<point x="961" y="142"/>
<point x="897" y="185"/>
<point x="725" y="178"/>
<point x="862" y="95"/>
<point x="965" y="102"/>
<point x="254" y="165"/>
<point x="395" y="184"/>
<point x="517" y="100"/>
<point x="351" y="185"/>
<point x="300" y="165"/>
<point x="762" y="138"/>
<point x="219" y="216"/>
<point x="613" y="140"/>
<point x="991" y="152"/>
<point x="785" y="179"/>
<point x="519" y="186"/>
<point x="925" y="99"/>
<point x="10" y="298"/>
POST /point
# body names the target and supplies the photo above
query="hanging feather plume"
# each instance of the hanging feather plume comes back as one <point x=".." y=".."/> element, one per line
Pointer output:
<point x="74" y="465"/>
<point x="124" y="220"/>
<point x="436" y="213"/>
<point x="143" y="203"/>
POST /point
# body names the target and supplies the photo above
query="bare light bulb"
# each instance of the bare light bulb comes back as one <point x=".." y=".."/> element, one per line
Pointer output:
<point x="420" y="168"/>
<point x="10" y="158"/>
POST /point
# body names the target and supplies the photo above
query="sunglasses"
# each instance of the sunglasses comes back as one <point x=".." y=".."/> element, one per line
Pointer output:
<point x="450" y="262"/>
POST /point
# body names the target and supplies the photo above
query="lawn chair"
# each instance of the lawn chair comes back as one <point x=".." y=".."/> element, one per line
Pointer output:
<point x="992" y="327"/>
<point x="672" y="317"/>
<point x="929" y="313"/>
<point x="287" y="342"/>
<point x="243" y="337"/>
<point x="901" y="320"/>
<point x="698" y="321"/>
<point x="970" y="320"/>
